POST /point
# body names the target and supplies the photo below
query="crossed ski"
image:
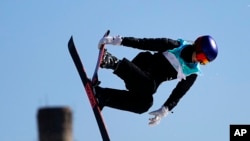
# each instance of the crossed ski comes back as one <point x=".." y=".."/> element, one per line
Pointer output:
<point x="88" y="84"/>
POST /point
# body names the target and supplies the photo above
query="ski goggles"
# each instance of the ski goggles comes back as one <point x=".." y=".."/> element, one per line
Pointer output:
<point x="201" y="57"/>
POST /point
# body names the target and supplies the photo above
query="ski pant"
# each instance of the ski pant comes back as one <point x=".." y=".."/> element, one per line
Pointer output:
<point x="138" y="97"/>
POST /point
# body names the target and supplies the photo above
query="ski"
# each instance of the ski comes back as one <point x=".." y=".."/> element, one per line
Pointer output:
<point x="87" y="83"/>
<point x="95" y="80"/>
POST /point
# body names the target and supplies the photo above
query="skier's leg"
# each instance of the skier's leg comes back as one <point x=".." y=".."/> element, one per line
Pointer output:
<point x="109" y="61"/>
<point x="144" y="61"/>
<point x="139" y="83"/>
<point x="135" y="78"/>
<point x="124" y="100"/>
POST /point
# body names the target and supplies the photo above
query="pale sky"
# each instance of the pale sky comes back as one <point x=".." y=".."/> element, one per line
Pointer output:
<point x="37" y="70"/>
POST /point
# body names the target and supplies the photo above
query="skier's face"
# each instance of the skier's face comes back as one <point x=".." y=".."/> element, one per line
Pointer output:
<point x="199" y="58"/>
<point x="194" y="57"/>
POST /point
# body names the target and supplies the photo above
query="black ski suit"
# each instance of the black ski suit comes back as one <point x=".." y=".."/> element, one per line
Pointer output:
<point x="144" y="74"/>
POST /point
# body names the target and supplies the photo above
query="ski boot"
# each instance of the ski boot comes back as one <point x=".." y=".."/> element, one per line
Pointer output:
<point x="109" y="61"/>
<point x="101" y="99"/>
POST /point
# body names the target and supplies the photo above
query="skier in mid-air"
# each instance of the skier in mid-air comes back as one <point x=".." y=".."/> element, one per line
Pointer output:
<point x="163" y="59"/>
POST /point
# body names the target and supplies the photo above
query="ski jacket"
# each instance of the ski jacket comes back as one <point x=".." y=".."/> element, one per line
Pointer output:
<point x="162" y="70"/>
<point x="182" y="66"/>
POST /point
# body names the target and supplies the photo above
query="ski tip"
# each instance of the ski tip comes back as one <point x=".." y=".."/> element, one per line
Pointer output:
<point x="71" y="37"/>
<point x="107" y="32"/>
<point x="71" y="42"/>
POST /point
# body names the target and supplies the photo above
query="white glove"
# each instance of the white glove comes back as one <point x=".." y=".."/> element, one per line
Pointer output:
<point x="160" y="113"/>
<point x="116" y="40"/>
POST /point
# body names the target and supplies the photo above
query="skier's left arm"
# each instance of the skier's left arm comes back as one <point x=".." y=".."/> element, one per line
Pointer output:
<point x="151" y="44"/>
<point x="179" y="91"/>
